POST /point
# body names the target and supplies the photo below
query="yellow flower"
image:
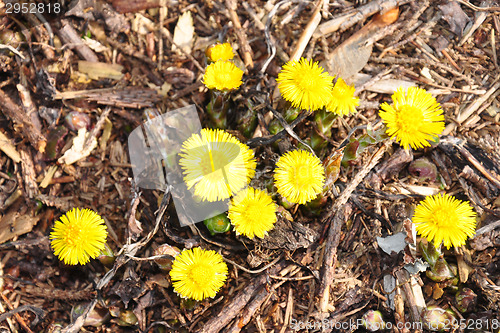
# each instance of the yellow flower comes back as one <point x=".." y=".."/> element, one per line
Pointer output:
<point x="252" y="212"/>
<point x="222" y="75"/>
<point x="342" y="100"/>
<point x="78" y="236"/>
<point x="299" y="176"/>
<point x="414" y="119"/>
<point x="443" y="218"/>
<point x="305" y="84"/>
<point x="217" y="164"/>
<point x="198" y="273"/>
<point x="220" y="52"/>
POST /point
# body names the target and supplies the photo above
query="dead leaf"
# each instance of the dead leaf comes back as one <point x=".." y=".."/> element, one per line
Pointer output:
<point x="394" y="243"/>
<point x="464" y="270"/>
<point x="100" y="70"/>
<point x="353" y="54"/>
<point x="184" y="33"/>
<point x="455" y="16"/>
<point x="383" y="86"/>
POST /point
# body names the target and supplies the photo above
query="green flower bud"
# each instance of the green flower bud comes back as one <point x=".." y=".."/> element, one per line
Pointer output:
<point x="188" y="303"/>
<point x="107" y="257"/>
<point x="275" y="127"/>
<point x="218" y="224"/>
<point x="291" y="114"/>
<point x="127" y="318"/>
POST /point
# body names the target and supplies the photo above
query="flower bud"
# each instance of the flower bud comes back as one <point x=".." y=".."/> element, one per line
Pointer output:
<point x="165" y="264"/>
<point x="218" y="224"/>
<point x="76" y="120"/>
<point x="107" y="257"/>
<point x="127" y="318"/>
<point x="55" y="328"/>
<point x="247" y="120"/>
<point x="96" y="317"/>
<point x="188" y="303"/>
<point x="466" y="300"/>
<point x="373" y="321"/>
<point x="423" y="169"/>
<point x="275" y="127"/>
<point x="435" y="318"/>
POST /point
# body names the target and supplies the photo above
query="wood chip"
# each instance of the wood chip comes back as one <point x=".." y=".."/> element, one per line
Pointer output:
<point x="8" y="148"/>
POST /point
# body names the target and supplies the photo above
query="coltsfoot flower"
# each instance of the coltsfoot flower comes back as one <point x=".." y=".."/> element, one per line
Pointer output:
<point x="443" y="219"/>
<point x="222" y="75"/>
<point x="299" y="176"/>
<point x="342" y="100"/>
<point x="78" y="236"/>
<point x="198" y="273"/>
<point x="252" y="212"/>
<point x="217" y="164"/>
<point x="220" y="52"/>
<point x="414" y="119"/>
<point x="305" y="84"/>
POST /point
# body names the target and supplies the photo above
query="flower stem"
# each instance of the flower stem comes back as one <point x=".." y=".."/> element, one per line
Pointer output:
<point x="218" y="107"/>
<point x="324" y="121"/>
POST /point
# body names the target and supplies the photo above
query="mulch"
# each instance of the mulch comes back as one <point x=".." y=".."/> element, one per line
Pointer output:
<point x="319" y="269"/>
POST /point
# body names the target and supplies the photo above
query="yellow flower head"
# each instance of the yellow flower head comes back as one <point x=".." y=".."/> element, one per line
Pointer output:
<point x="78" y="236"/>
<point x="305" y="84"/>
<point x="217" y="164"/>
<point x="299" y="176"/>
<point x="443" y="218"/>
<point x="198" y="273"/>
<point x="342" y="100"/>
<point x="415" y="118"/>
<point x="222" y="75"/>
<point x="252" y="212"/>
<point x="220" y="52"/>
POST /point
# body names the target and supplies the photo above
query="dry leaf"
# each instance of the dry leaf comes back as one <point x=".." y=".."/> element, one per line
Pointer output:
<point x="95" y="45"/>
<point x="100" y="70"/>
<point x="455" y="16"/>
<point x="464" y="270"/>
<point x="353" y="54"/>
<point x="14" y="224"/>
<point x="386" y="85"/>
<point x="184" y="33"/>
